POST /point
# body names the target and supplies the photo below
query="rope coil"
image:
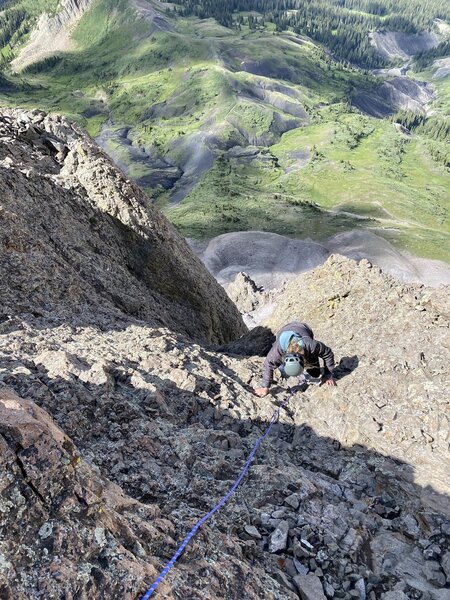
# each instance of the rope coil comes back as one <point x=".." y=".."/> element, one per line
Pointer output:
<point x="219" y="505"/>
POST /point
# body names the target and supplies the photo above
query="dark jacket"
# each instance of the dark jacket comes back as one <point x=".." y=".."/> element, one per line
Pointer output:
<point x="313" y="350"/>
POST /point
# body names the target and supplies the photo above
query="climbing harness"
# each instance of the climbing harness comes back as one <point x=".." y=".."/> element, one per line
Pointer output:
<point x="227" y="496"/>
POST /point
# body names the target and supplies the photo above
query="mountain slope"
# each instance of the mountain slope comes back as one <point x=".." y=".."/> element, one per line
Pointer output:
<point x="346" y="472"/>
<point x="216" y="118"/>
<point x="118" y="433"/>
<point x="52" y="34"/>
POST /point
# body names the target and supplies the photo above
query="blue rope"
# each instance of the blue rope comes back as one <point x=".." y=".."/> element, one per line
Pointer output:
<point x="199" y="523"/>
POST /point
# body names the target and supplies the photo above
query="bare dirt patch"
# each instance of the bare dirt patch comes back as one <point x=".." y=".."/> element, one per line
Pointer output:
<point x="397" y="44"/>
<point x="270" y="259"/>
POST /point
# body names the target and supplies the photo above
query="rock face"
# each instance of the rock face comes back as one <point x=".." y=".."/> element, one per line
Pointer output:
<point x="117" y="434"/>
<point x="396" y="44"/>
<point x="391" y="342"/>
<point x="52" y="33"/>
<point x="244" y="292"/>
<point x="55" y="507"/>
<point x="76" y="233"/>
<point x="336" y="493"/>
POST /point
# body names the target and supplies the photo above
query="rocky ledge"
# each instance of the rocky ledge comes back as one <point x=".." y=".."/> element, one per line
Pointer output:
<point x="348" y="497"/>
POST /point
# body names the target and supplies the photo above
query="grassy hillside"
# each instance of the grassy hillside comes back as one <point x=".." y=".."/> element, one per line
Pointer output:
<point x="343" y="27"/>
<point x="250" y="128"/>
<point x="348" y="171"/>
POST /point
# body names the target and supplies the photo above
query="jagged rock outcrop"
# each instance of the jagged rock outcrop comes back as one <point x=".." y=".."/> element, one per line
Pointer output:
<point x="172" y="423"/>
<point x="77" y="235"/>
<point x="52" y="33"/>
<point x="244" y="292"/>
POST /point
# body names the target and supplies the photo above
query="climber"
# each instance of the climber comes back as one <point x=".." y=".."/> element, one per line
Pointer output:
<point x="294" y="350"/>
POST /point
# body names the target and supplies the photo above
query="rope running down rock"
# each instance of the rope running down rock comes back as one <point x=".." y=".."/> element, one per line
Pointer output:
<point x="219" y="505"/>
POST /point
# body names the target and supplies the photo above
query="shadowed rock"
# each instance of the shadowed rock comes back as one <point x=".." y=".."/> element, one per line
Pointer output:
<point x="56" y="507"/>
<point x="354" y="477"/>
<point x="172" y="423"/>
<point x="76" y="231"/>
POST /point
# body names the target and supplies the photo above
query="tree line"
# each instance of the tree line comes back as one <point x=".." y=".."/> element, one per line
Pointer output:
<point x="342" y="25"/>
<point x="17" y="18"/>
<point x="435" y="127"/>
<point x="10" y="22"/>
<point x="426" y="57"/>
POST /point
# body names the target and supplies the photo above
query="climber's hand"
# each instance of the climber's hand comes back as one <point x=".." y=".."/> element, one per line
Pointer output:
<point x="261" y="392"/>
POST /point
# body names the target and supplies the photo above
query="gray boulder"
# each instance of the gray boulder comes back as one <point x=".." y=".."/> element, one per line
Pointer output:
<point x="309" y="587"/>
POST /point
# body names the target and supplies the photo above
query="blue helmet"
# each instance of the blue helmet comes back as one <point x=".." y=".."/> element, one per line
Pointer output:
<point x="293" y="365"/>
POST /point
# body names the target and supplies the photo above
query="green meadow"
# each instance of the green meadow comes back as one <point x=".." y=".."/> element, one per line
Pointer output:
<point x="315" y="166"/>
